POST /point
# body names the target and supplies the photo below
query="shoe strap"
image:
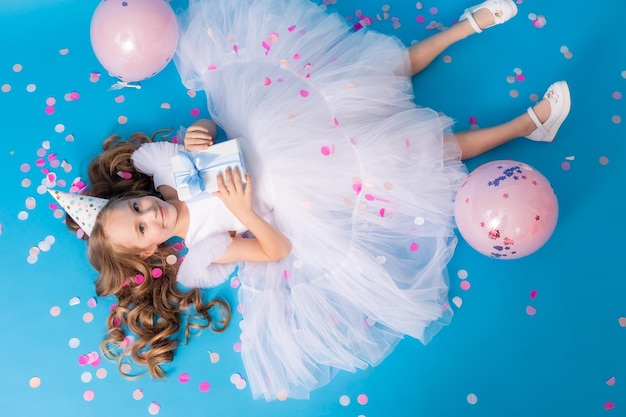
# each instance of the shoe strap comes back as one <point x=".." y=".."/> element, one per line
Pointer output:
<point x="535" y="119"/>
<point x="468" y="15"/>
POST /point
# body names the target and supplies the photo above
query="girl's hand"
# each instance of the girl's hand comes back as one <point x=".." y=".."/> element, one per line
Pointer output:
<point x="199" y="136"/>
<point x="235" y="195"/>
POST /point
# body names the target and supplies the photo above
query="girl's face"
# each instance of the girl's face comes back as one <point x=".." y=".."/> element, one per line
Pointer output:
<point x="140" y="224"/>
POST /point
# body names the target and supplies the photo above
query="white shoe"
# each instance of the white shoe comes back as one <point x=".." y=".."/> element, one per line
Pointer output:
<point x="560" y="103"/>
<point x="502" y="11"/>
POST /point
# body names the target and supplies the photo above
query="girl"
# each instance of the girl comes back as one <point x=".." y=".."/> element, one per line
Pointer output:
<point x="345" y="227"/>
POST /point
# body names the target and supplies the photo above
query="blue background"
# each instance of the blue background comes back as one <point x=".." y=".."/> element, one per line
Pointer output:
<point x="568" y="359"/>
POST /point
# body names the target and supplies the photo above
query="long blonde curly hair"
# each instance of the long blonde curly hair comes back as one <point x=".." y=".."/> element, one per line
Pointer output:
<point x="150" y="305"/>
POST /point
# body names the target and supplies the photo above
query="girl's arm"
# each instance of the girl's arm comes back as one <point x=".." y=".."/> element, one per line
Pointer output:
<point x="200" y="135"/>
<point x="269" y="243"/>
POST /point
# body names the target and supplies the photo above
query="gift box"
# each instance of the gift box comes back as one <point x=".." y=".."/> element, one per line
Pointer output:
<point x="196" y="172"/>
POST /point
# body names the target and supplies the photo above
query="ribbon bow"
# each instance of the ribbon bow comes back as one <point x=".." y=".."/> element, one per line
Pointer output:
<point x="196" y="172"/>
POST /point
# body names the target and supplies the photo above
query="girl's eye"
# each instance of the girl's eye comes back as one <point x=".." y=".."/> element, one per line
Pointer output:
<point x="142" y="228"/>
<point x="136" y="207"/>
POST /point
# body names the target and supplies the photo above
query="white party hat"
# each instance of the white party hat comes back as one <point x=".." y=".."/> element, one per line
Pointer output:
<point x="82" y="208"/>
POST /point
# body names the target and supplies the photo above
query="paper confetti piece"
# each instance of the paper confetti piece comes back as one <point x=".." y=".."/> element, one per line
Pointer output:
<point x="622" y="321"/>
<point x="609" y="405"/>
<point x="611" y="381"/>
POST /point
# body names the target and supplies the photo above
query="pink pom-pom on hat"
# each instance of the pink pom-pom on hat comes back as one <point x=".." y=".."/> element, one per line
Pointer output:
<point x="82" y="208"/>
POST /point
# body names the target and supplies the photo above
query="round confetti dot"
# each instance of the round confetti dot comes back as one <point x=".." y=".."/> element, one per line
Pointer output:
<point x="215" y="357"/>
<point x="234" y="378"/>
<point x="472" y="399"/>
<point x="534" y="97"/>
<point x="59" y="128"/>
<point x="89" y="395"/>
<point x="122" y="120"/>
<point x="154" y="408"/>
<point x="281" y="396"/>
<point x="74" y="342"/>
<point x="609" y="405"/>
<point x="565" y="166"/>
<point x="520" y="77"/>
<point x="31" y="203"/>
<point x="6" y="88"/>
<point x="101" y="373"/>
<point x="74" y="95"/>
<point x="531" y="311"/>
<point x="603" y="160"/>
<point x="22" y="215"/>
<point x="457" y="301"/>
<point x="617" y="95"/>
<point x="419" y="221"/>
<point x="362" y="399"/>
<point x="92" y="303"/>
<point x="462" y="274"/>
<point x="183" y="378"/>
<point x="86" y="377"/>
<point x="31" y="88"/>
<point x="611" y="381"/>
<point x="119" y="99"/>
<point x="195" y="112"/>
<point x="616" y="119"/>
<point x="88" y="317"/>
<point x="465" y="285"/>
<point x="447" y="59"/>
<point x="533" y="294"/>
<point x="420" y="19"/>
<point x="622" y="321"/>
<point x="138" y="394"/>
<point x="34" y="382"/>
<point x="237" y="346"/>
<point x="55" y="311"/>
<point x="344" y="400"/>
<point x="17" y="68"/>
<point x="514" y="93"/>
<point x="157" y="273"/>
<point x="126" y="368"/>
<point x="204" y="386"/>
<point x="241" y="384"/>
<point x="51" y="101"/>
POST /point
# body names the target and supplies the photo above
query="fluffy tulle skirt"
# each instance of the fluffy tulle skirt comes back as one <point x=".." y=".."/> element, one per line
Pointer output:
<point x="359" y="178"/>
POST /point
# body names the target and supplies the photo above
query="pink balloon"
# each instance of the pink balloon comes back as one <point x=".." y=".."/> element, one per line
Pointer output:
<point x="506" y="209"/>
<point x="134" y="39"/>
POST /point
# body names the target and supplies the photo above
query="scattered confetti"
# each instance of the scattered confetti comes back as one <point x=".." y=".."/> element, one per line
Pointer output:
<point x="89" y="395"/>
<point x="138" y="394"/>
<point x="611" y="381"/>
<point x="622" y="321"/>
<point x="362" y="399"/>
<point x="531" y="311"/>
<point x="609" y="405"/>
<point x="183" y="378"/>
<point x="344" y="400"/>
<point x="154" y="408"/>
<point x="465" y="285"/>
<point x="204" y="386"/>
<point x="35" y="382"/>
<point x="472" y="399"/>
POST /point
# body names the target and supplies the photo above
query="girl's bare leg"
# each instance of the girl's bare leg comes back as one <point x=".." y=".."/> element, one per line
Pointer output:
<point x="477" y="141"/>
<point x="424" y="52"/>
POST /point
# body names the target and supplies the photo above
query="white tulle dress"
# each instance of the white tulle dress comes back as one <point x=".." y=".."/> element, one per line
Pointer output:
<point x="356" y="175"/>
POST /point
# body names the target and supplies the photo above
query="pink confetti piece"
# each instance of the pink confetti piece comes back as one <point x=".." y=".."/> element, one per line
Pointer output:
<point x="139" y="279"/>
<point x="267" y="81"/>
<point x="204" y="386"/>
<point x="74" y="95"/>
<point x="286" y="275"/>
<point x="125" y="175"/>
<point x="533" y="294"/>
<point x="157" y="273"/>
<point x="622" y="321"/>
<point x="414" y="247"/>
<point x="89" y="395"/>
<point x="237" y="346"/>
<point x="195" y="112"/>
<point x="611" y="381"/>
<point x="183" y="378"/>
<point x="531" y="311"/>
<point x="328" y="150"/>
<point x="465" y="285"/>
<point x="266" y="45"/>
<point x="49" y="110"/>
<point x="291" y="28"/>
<point x="609" y="405"/>
<point x="304" y="93"/>
<point x="211" y="68"/>
<point x="154" y="408"/>
<point x="362" y="399"/>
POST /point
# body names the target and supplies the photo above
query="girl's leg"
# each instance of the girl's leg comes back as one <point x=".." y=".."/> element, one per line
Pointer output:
<point x="477" y="141"/>
<point x="424" y="52"/>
